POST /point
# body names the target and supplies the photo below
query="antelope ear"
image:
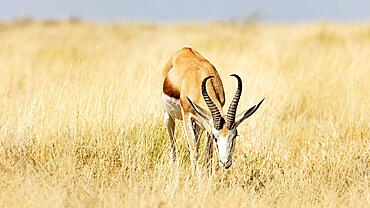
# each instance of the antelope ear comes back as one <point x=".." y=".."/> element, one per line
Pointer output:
<point x="247" y="113"/>
<point x="200" y="111"/>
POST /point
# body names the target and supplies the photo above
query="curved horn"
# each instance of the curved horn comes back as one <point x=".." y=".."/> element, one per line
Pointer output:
<point x="234" y="103"/>
<point x="216" y="115"/>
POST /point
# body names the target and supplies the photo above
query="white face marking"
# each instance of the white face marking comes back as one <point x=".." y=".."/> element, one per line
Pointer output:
<point x="221" y="146"/>
<point x="172" y="106"/>
<point x="222" y="149"/>
<point x="225" y="150"/>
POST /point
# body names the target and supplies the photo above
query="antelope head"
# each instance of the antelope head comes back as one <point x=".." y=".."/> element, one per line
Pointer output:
<point x="224" y="127"/>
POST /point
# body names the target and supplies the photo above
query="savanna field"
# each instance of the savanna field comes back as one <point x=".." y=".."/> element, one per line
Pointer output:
<point x="81" y="116"/>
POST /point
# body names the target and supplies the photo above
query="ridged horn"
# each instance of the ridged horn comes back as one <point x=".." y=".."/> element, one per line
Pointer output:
<point x="234" y="103"/>
<point x="216" y="115"/>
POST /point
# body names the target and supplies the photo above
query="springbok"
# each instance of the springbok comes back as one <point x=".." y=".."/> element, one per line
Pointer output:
<point x="190" y="83"/>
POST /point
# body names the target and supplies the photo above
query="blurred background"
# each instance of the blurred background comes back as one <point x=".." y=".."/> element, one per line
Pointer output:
<point x="283" y="11"/>
<point x="81" y="115"/>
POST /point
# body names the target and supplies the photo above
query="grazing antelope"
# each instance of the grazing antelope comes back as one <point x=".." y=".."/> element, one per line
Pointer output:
<point x="190" y="84"/>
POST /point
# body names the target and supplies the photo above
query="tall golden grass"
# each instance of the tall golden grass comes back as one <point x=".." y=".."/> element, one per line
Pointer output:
<point x="81" y="115"/>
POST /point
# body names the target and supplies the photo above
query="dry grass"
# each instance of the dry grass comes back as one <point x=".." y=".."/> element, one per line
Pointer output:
<point x="81" y="115"/>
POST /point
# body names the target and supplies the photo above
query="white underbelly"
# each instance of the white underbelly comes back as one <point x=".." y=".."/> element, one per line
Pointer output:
<point x="172" y="106"/>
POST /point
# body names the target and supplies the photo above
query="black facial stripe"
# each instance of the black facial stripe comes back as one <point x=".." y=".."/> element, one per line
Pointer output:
<point x="231" y="144"/>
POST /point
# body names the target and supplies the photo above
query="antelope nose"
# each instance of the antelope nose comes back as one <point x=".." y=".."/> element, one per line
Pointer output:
<point x="226" y="164"/>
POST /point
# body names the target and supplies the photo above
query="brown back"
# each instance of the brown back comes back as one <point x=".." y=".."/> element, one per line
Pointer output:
<point x="183" y="76"/>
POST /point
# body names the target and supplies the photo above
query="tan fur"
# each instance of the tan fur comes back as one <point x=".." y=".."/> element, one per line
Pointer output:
<point x="184" y="73"/>
<point x="182" y="77"/>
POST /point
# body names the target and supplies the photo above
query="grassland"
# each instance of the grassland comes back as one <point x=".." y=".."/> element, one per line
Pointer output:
<point x="81" y="115"/>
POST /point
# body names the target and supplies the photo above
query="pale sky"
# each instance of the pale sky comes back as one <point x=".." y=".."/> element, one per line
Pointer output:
<point x="190" y="10"/>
